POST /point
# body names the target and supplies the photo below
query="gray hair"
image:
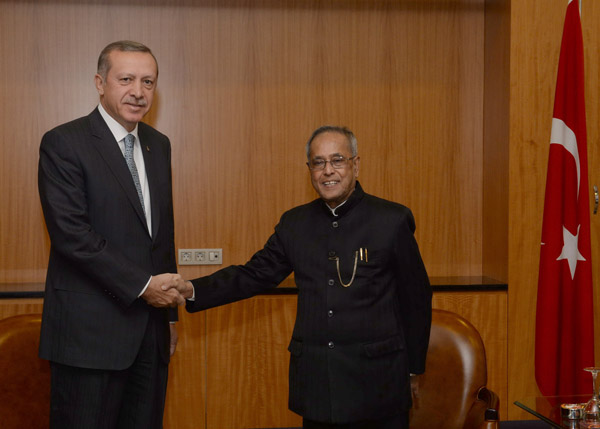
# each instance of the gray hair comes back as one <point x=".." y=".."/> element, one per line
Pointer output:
<point x="334" y="129"/>
<point x="122" y="46"/>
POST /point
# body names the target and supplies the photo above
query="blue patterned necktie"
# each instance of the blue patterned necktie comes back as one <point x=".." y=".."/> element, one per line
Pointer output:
<point x="129" y="140"/>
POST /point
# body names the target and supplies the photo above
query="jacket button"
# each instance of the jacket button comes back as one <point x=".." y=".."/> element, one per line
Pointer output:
<point x="331" y="253"/>
<point x="331" y="282"/>
<point x="330" y="313"/>
<point x="331" y="345"/>
<point x="335" y="224"/>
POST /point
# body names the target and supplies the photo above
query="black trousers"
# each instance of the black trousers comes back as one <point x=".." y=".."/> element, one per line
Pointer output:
<point x="399" y="421"/>
<point x="133" y="398"/>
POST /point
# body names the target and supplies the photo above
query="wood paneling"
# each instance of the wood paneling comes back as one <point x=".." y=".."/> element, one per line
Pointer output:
<point x="14" y="307"/>
<point x="248" y="363"/>
<point x="495" y="140"/>
<point x="186" y="392"/>
<point x="241" y="87"/>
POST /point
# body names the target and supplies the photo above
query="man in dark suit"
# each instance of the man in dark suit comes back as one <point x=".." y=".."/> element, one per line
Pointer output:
<point x="364" y="299"/>
<point x="107" y="202"/>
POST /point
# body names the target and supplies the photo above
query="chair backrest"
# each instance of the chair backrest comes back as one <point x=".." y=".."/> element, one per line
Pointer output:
<point x="455" y="371"/>
<point x="24" y="377"/>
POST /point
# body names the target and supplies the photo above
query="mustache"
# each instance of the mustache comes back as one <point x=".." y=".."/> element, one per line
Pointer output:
<point x="141" y="102"/>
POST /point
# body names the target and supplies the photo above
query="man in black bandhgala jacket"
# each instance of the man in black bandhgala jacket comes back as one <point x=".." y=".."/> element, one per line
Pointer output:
<point x="364" y="300"/>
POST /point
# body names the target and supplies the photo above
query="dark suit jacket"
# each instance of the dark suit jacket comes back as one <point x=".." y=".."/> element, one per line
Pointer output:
<point x="101" y="253"/>
<point x="352" y="347"/>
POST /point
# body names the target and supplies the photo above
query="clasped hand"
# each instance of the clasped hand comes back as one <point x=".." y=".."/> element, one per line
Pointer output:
<point x="166" y="290"/>
<point x="185" y="288"/>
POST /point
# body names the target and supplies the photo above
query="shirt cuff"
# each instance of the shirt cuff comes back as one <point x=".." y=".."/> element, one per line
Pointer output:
<point x="145" y="287"/>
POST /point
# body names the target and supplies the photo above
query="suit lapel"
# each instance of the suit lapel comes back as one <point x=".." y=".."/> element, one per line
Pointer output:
<point x="150" y="152"/>
<point x="105" y="144"/>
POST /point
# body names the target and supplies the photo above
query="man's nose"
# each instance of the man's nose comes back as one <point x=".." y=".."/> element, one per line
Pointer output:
<point x="136" y="89"/>
<point x="328" y="168"/>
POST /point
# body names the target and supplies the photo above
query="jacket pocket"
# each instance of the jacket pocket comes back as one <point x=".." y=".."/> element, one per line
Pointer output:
<point x="383" y="347"/>
<point x="295" y="347"/>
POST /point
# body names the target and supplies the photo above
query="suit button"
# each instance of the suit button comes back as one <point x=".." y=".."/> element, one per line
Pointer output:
<point x="331" y="282"/>
<point x="331" y="253"/>
<point x="330" y="313"/>
<point x="330" y="344"/>
<point x="335" y="224"/>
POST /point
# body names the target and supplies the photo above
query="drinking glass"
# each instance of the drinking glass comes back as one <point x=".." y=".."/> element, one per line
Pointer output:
<point x="591" y="411"/>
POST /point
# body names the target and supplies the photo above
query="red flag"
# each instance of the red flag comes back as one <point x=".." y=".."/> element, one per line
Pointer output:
<point x="564" y="340"/>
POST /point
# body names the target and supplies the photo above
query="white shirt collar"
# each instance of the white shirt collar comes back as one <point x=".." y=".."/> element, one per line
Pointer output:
<point x="117" y="130"/>
<point x="336" y="207"/>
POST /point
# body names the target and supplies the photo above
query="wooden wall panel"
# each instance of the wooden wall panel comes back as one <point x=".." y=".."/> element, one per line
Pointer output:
<point x="185" y="406"/>
<point x="591" y="40"/>
<point x="495" y="139"/>
<point x="248" y="361"/>
<point x="242" y="85"/>
<point x="536" y="29"/>
<point x="14" y="307"/>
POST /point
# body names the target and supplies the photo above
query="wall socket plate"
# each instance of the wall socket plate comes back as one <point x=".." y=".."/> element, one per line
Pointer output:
<point x="200" y="256"/>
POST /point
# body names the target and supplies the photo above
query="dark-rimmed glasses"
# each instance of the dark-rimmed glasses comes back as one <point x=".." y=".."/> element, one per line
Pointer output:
<point x="336" y="162"/>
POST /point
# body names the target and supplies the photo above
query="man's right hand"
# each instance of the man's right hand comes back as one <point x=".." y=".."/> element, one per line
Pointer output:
<point x="156" y="295"/>
<point x="185" y="288"/>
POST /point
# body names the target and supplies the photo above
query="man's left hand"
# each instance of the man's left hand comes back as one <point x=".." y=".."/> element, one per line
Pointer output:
<point x="174" y="338"/>
<point x="414" y="389"/>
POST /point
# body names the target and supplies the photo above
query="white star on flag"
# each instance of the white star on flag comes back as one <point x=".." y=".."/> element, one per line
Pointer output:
<point x="570" y="251"/>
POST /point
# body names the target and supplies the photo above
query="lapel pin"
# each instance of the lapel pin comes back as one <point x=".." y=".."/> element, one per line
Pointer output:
<point x="148" y="148"/>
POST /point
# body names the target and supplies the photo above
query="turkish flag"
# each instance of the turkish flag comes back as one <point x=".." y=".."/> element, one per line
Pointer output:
<point x="564" y="339"/>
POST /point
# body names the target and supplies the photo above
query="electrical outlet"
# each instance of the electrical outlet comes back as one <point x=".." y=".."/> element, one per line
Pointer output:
<point x="200" y="256"/>
<point x="185" y="256"/>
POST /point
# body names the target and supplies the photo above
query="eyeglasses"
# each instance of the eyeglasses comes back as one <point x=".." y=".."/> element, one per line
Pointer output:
<point x="336" y="162"/>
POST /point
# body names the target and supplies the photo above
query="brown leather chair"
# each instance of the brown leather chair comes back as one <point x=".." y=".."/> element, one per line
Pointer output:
<point x="24" y="377"/>
<point x="452" y="392"/>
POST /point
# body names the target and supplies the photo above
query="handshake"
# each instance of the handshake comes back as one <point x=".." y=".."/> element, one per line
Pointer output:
<point x="168" y="290"/>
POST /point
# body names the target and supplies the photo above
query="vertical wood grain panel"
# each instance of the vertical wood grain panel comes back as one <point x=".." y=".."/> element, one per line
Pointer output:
<point x="248" y="361"/>
<point x="591" y="44"/>
<point x="536" y="28"/>
<point x="495" y="139"/>
<point x="185" y="406"/>
<point x="14" y="307"/>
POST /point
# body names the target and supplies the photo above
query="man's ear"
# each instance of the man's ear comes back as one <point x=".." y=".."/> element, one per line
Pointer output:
<point x="99" y="82"/>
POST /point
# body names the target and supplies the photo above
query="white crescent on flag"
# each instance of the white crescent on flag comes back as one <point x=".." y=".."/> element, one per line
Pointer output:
<point x="564" y="136"/>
